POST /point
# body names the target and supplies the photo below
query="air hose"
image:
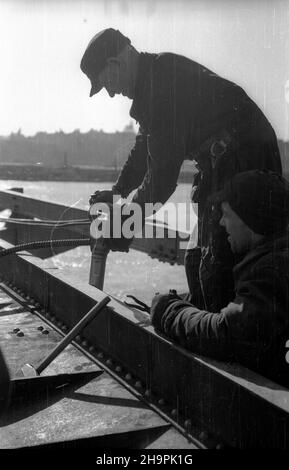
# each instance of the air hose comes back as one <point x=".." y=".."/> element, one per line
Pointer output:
<point x="44" y="222"/>
<point x="45" y="244"/>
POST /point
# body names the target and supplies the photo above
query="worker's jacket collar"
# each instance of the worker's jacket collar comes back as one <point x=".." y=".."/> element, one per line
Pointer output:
<point x="143" y="87"/>
<point x="270" y="245"/>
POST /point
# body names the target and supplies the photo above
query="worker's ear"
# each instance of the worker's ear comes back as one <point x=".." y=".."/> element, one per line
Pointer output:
<point x="113" y="61"/>
<point x="119" y="62"/>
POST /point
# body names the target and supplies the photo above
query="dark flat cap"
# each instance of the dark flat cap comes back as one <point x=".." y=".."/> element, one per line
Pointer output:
<point x="107" y="43"/>
<point x="260" y="198"/>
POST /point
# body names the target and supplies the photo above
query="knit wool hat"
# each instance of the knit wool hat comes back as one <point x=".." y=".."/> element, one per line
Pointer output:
<point x="260" y="198"/>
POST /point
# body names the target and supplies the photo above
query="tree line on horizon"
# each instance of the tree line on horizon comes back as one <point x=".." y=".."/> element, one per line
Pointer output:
<point x="96" y="149"/>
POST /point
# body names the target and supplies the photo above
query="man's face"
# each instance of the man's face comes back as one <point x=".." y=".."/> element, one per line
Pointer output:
<point x="239" y="234"/>
<point x="114" y="78"/>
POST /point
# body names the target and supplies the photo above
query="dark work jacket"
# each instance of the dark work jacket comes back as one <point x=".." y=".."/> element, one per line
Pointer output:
<point x="179" y="104"/>
<point x="254" y="328"/>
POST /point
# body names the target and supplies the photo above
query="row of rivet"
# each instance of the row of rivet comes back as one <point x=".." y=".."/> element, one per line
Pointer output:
<point x="187" y="424"/>
<point x="36" y="305"/>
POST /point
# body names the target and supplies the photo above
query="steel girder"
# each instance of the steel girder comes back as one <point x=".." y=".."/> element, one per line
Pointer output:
<point x="239" y="408"/>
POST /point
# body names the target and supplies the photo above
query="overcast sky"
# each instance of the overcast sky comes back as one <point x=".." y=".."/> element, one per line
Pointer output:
<point x="42" y="41"/>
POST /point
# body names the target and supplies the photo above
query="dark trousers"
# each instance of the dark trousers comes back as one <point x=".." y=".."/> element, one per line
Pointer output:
<point x="210" y="275"/>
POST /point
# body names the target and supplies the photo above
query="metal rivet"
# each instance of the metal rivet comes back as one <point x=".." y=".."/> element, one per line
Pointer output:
<point x="161" y="402"/>
<point x="109" y="362"/>
<point x="147" y="393"/>
<point x="45" y="332"/>
<point x="40" y="328"/>
<point x="174" y="413"/>
<point x="59" y="324"/>
<point x="203" y="436"/>
<point x="16" y="330"/>
<point x="188" y="423"/>
<point x="118" y="369"/>
<point x="84" y="343"/>
<point x="20" y="333"/>
<point x="128" y="376"/>
<point x="42" y="311"/>
<point x="91" y="349"/>
<point x="37" y="304"/>
<point x="78" y="338"/>
<point x="64" y="328"/>
<point x="52" y="318"/>
<point x="138" y="384"/>
<point x="220" y="446"/>
<point x="100" y="355"/>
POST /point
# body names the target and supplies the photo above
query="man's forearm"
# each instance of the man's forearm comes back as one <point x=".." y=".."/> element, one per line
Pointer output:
<point x="158" y="184"/>
<point x="133" y="171"/>
<point x="197" y="330"/>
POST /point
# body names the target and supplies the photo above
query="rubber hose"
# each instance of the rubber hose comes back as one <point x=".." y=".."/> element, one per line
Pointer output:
<point x="45" y="244"/>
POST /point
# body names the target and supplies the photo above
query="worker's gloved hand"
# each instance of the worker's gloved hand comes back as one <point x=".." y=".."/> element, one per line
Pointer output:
<point x="160" y="303"/>
<point x="105" y="196"/>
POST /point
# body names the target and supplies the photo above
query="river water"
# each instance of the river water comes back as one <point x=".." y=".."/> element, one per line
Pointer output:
<point x="134" y="272"/>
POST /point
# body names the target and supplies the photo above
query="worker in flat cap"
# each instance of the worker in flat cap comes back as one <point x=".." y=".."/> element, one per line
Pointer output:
<point x="185" y="112"/>
<point x="253" y="329"/>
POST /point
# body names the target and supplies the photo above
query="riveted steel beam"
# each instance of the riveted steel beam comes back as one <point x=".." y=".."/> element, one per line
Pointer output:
<point x="236" y="406"/>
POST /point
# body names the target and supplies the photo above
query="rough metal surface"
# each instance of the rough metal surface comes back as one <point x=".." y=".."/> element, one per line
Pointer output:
<point x="99" y="411"/>
<point x="171" y="439"/>
<point x="98" y="408"/>
<point x="34" y="346"/>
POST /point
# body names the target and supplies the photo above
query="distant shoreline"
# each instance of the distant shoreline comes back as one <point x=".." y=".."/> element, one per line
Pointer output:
<point x="72" y="173"/>
<point x="69" y="173"/>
